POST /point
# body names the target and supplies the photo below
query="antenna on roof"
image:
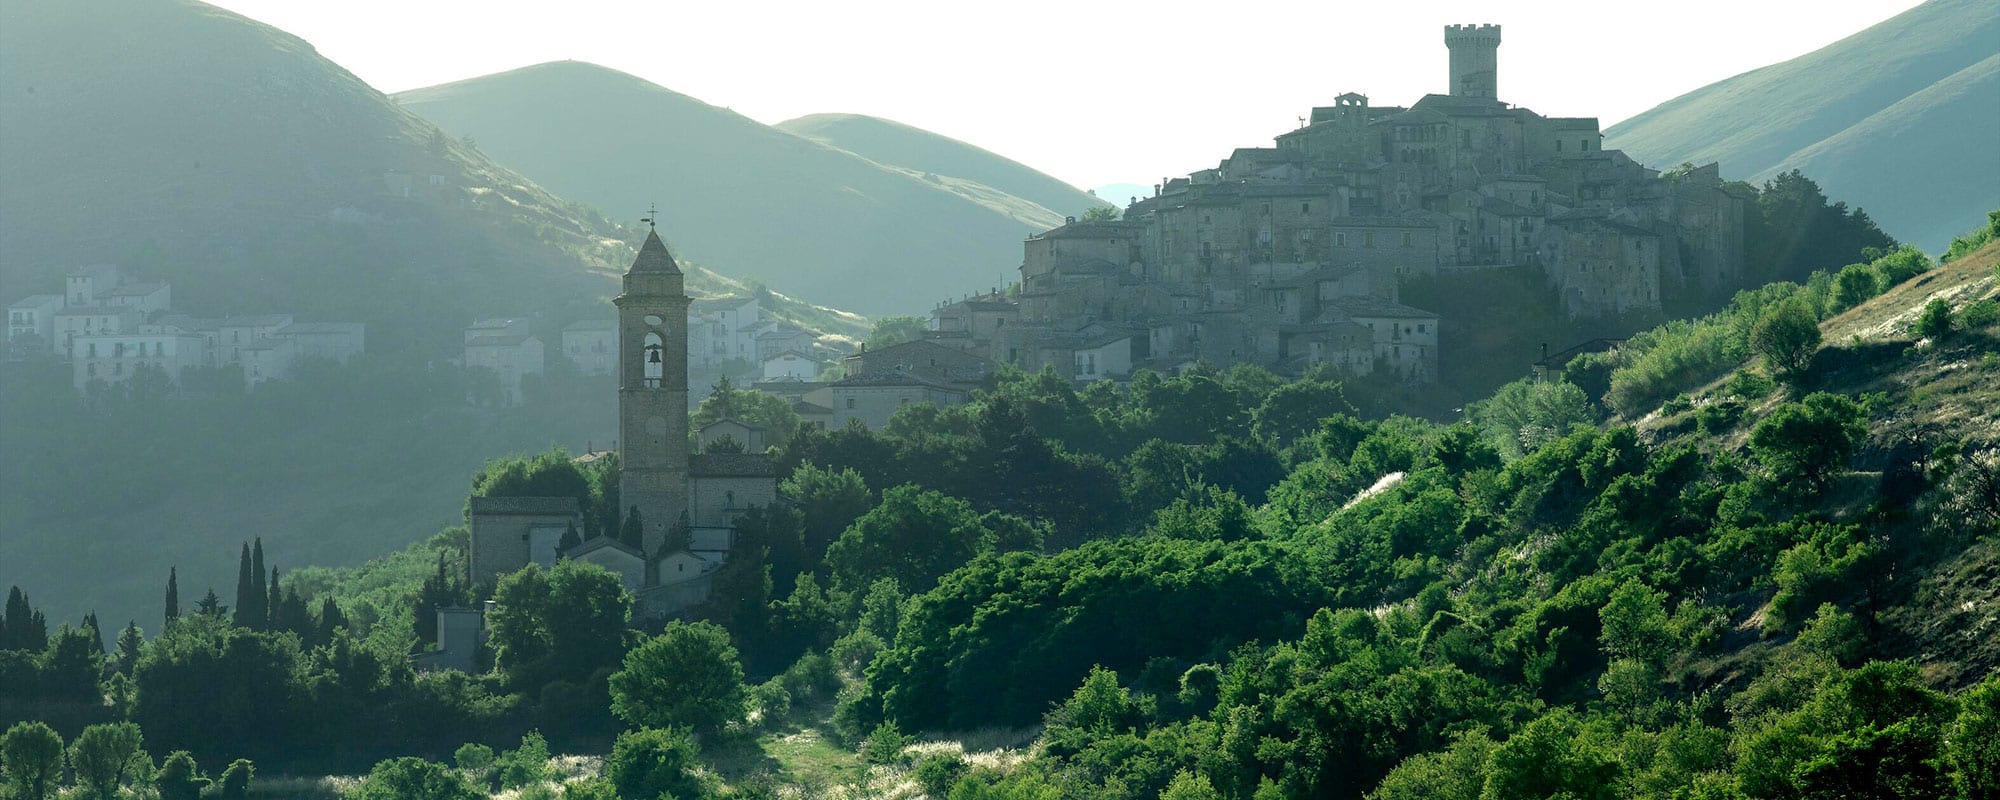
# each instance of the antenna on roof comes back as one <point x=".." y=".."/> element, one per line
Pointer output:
<point x="652" y="213"/>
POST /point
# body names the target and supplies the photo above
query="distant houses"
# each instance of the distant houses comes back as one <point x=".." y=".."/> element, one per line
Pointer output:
<point x="111" y="328"/>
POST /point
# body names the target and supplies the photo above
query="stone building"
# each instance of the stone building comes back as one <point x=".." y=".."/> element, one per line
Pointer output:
<point x="507" y="349"/>
<point x="1264" y="257"/>
<point x="590" y="344"/>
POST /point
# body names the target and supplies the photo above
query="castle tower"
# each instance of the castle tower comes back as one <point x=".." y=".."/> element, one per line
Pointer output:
<point x="1475" y="60"/>
<point x="653" y="391"/>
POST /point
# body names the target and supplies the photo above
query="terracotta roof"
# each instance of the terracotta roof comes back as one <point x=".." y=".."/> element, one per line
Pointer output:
<point x="732" y="465"/>
<point x="524" y="506"/>
<point x="653" y="256"/>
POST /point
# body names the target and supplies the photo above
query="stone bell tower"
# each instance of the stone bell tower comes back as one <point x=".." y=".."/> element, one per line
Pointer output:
<point x="653" y="392"/>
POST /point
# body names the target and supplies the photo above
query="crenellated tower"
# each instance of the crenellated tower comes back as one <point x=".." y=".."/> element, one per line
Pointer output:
<point x="1475" y="60"/>
<point x="653" y="391"/>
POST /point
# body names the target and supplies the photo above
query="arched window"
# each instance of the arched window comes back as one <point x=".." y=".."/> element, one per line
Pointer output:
<point x="654" y="353"/>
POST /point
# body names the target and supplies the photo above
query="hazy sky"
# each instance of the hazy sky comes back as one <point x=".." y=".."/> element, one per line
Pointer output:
<point x="1091" y="92"/>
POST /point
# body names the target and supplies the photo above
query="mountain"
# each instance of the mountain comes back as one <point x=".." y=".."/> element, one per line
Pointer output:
<point x="1898" y="119"/>
<point x="189" y="144"/>
<point x="894" y="144"/>
<point x="804" y="217"/>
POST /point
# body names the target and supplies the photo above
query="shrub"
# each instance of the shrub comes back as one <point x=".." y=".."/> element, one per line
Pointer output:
<point x="1802" y="444"/>
<point x="657" y="762"/>
<point x="1935" y="322"/>
<point x="938" y="772"/>
<point x="1813" y="572"/>
<point x="473" y="757"/>
<point x="236" y="779"/>
<point x="689" y="676"/>
<point x="885" y="745"/>
<point x="524" y="765"/>
<point x="1786" y="335"/>
<point x="1979" y="315"/>
<point x="410" y="778"/>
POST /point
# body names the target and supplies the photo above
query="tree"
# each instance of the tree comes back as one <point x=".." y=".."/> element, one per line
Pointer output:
<point x="22" y="627"/>
<point x="1935" y="323"/>
<point x="1786" y="335"/>
<point x="894" y="330"/>
<point x="1552" y="757"/>
<point x="173" y="595"/>
<point x="632" y="532"/>
<point x="210" y="605"/>
<point x="830" y="499"/>
<point x="524" y="765"/>
<point x="260" y="591"/>
<point x="236" y="780"/>
<point x="568" y="621"/>
<point x="687" y="676"/>
<point x="1855" y="284"/>
<point x="108" y="756"/>
<point x="914" y="536"/>
<point x="31" y="755"/>
<point x="129" y="642"/>
<point x="411" y="778"/>
<point x="1802" y="444"/>
<point x="1101" y="213"/>
<point x="180" y="778"/>
<point x="570" y="539"/>
<point x="656" y="763"/>
<point x="331" y="620"/>
<point x="248" y="596"/>
<point x="1973" y="747"/>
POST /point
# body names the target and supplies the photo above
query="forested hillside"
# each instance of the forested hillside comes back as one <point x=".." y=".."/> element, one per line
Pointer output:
<point x="1742" y="556"/>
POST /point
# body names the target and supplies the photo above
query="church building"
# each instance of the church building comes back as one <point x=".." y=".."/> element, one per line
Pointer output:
<point x="662" y="480"/>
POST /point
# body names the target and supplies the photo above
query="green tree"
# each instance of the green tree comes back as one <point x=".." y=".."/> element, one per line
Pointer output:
<point x="108" y="756"/>
<point x="1935" y="323"/>
<point x="129" y="642"/>
<point x="22" y="627"/>
<point x="235" y="780"/>
<point x="180" y="778"/>
<point x="1973" y="747"/>
<point x="687" y="676"/>
<point x="173" y="595"/>
<point x="31" y="756"/>
<point x="1552" y="757"/>
<point x="1786" y="335"/>
<point x="567" y="621"/>
<point x="525" y="765"/>
<point x="658" y="762"/>
<point x="473" y="757"/>
<point x="1190" y="786"/>
<point x="914" y="536"/>
<point x="831" y="499"/>
<point x="896" y="330"/>
<point x="1803" y="444"/>
<point x="1855" y="284"/>
<point x="410" y="778"/>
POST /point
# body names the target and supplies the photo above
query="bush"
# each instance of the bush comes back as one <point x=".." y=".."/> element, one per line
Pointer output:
<point x="1935" y="322"/>
<point x="410" y="778"/>
<point x="938" y="772"/>
<point x="236" y="780"/>
<point x="522" y="766"/>
<point x="473" y="757"/>
<point x="1813" y="572"/>
<point x="687" y="676"/>
<point x="657" y="762"/>
<point x="885" y="745"/>
<point x="772" y="702"/>
<point x="1802" y="444"/>
<point x="1787" y="335"/>
<point x="1979" y="315"/>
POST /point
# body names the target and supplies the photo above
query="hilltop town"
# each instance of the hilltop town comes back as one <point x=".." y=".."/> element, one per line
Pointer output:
<point x="1294" y="256"/>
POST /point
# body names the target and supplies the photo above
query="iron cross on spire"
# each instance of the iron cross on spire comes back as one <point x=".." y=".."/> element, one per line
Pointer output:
<point x="652" y="213"/>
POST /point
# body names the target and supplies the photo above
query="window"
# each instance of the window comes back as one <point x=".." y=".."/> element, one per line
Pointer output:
<point x="1559" y="145"/>
<point x="93" y="349"/>
<point x="1305" y="208"/>
<point x="1340" y="240"/>
<point x="1368" y="239"/>
<point x="850" y="404"/>
<point x="90" y="370"/>
<point x="1423" y="328"/>
<point x="1409" y="240"/>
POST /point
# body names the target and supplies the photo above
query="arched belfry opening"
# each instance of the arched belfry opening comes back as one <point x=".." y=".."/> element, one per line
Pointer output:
<point x="654" y="368"/>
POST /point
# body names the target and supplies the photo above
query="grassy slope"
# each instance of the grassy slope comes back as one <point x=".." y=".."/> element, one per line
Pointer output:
<point x="896" y="144"/>
<point x="1939" y="604"/>
<point x="805" y="218"/>
<point x="1758" y="123"/>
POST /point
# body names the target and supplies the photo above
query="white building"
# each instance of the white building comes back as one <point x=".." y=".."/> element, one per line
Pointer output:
<point x="144" y="297"/>
<point x="333" y="341"/>
<point x="505" y="347"/>
<point x="236" y="333"/>
<point x="1406" y="338"/>
<point x="591" y="345"/>
<point x="74" y="322"/>
<point x="89" y="285"/>
<point x="793" y="364"/>
<point x="723" y="329"/>
<point x="33" y="316"/>
<point x="113" y="358"/>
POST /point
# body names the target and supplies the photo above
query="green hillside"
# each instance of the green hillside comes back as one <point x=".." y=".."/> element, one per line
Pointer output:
<point x="917" y="150"/>
<point x="1845" y="114"/>
<point x="803" y="217"/>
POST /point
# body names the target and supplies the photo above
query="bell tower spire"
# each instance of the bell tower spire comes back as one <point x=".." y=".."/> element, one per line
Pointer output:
<point x="653" y="390"/>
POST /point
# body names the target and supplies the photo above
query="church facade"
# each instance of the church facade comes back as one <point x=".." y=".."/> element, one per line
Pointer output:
<point x="669" y="487"/>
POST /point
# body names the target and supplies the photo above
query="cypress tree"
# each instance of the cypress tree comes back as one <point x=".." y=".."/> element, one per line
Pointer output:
<point x="569" y="539"/>
<point x="330" y="620"/>
<point x="260" y="616"/>
<point x="210" y="605"/>
<point x="90" y="627"/>
<point x="274" y="604"/>
<point x="246" y="584"/>
<point x="21" y="626"/>
<point x="633" y="533"/>
<point x="173" y="595"/>
<point x="129" y="642"/>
